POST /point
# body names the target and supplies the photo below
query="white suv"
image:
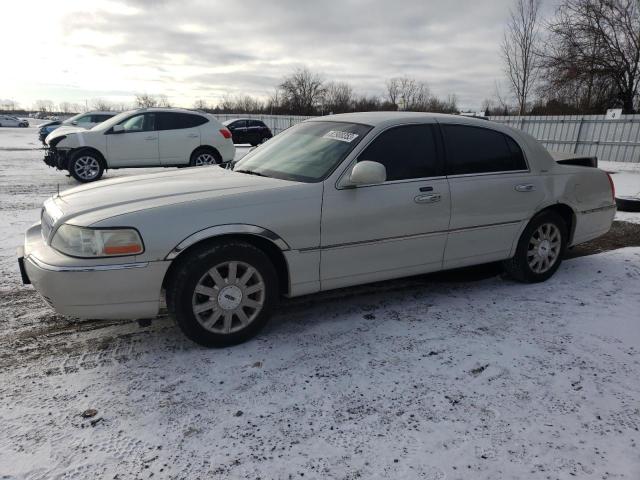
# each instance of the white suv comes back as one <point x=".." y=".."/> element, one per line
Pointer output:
<point x="156" y="137"/>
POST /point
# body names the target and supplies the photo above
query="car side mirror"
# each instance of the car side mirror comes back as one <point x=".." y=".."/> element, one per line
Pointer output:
<point x="75" y="122"/>
<point x="368" y="173"/>
<point x="118" y="129"/>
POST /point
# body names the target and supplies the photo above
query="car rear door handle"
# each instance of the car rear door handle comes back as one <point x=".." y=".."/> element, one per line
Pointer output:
<point x="150" y="138"/>
<point x="525" y="187"/>
<point x="429" y="198"/>
<point x="193" y="135"/>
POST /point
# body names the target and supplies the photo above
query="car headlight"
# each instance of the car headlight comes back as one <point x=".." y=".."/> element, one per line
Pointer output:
<point x="90" y="242"/>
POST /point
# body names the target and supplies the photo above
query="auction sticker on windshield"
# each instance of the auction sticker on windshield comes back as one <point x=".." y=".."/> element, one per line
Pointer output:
<point x="341" y="136"/>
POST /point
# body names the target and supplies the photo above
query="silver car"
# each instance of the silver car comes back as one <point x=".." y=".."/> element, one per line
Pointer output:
<point x="331" y="202"/>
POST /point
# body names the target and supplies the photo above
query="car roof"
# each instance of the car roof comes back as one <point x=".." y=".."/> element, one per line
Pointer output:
<point x="543" y="160"/>
<point x="169" y="109"/>
<point x="101" y="112"/>
<point x="243" y="118"/>
<point x="383" y="118"/>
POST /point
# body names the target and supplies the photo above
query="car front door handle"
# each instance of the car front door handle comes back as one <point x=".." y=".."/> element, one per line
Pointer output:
<point x="150" y="138"/>
<point x="430" y="198"/>
<point x="525" y="187"/>
<point x="192" y="135"/>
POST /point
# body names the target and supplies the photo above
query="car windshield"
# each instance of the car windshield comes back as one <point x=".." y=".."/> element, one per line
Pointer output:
<point x="107" y="124"/>
<point x="307" y="152"/>
<point x="71" y="119"/>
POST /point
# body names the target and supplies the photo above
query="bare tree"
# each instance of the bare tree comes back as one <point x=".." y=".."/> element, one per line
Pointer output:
<point x="302" y="91"/>
<point x="45" y="106"/>
<point x="101" y="104"/>
<point x="200" y="104"/>
<point x="594" y="51"/>
<point x="338" y="97"/>
<point x="163" y="101"/>
<point x="144" y="100"/>
<point x="408" y="94"/>
<point x="8" y="104"/>
<point x="520" y="48"/>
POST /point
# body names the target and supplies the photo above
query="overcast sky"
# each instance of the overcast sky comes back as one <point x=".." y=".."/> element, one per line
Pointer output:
<point x="78" y="50"/>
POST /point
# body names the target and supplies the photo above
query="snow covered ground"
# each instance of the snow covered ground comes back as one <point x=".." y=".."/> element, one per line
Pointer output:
<point x="450" y="376"/>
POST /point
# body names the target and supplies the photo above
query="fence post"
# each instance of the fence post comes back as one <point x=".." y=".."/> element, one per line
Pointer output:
<point x="575" y="145"/>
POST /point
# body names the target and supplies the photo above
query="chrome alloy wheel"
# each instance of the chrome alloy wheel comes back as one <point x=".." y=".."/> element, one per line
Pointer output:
<point x="87" y="168"/>
<point x="544" y="248"/>
<point x="205" y="159"/>
<point x="228" y="297"/>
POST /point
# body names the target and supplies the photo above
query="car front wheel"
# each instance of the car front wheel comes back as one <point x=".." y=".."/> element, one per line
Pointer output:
<point x="540" y="249"/>
<point x="223" y="294"/>
<point x="86" y="167"/>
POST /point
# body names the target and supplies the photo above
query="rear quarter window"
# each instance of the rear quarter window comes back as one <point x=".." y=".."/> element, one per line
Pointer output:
<point x="176" y="121"/>
<point x="472" y="150"/>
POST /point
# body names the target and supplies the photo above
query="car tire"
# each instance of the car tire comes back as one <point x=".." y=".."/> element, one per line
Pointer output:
<point x="86" y="166"/>
<point x="540" y="249"/>
<point x="205" y="156"/>
<point x="628" y="204"/>
<point x="214" y="309"/>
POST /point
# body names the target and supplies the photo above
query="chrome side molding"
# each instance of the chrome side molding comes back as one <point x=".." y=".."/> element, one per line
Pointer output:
<point x="226" y="230"/>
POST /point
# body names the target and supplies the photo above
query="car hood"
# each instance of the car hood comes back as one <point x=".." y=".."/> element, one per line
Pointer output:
<point x="63" y="131"/>
<point x="100" y="200"/>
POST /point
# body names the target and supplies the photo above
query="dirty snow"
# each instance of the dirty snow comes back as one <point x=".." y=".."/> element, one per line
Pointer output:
<point x="450" y="376"/>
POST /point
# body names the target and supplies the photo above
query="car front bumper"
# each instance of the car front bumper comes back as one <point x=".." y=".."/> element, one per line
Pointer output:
<point x="56" y="158"/>
<point x="85" y="289"/>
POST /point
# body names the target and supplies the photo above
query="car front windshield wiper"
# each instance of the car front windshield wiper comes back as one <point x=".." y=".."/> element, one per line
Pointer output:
<point x="251" y="172"/>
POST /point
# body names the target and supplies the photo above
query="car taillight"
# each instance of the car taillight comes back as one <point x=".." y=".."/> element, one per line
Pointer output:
<point x="225" y="133"/>
<point x="613" y="188"/>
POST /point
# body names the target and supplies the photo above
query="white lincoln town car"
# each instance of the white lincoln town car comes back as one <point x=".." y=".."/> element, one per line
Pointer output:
<point x="331" y="202"/>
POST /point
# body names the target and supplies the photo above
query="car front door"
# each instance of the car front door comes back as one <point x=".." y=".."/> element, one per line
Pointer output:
<point x="179" y="136"/>
<point x="136" y="145"/>
<point x="492" y="194"/>
<point x="393" y="229"/>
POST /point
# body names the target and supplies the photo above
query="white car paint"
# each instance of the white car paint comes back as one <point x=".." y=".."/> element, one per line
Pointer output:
<point x="11" y="121"/>
<point x="330" y="233"/>
<point x="147" y="148"/>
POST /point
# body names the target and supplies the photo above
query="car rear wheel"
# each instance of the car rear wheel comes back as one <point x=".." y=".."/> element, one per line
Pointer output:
<point x="205" y="156"/>
<point x="540" y="249"/>
<point x="86" y="167"/>
<point x="223" y="294"/>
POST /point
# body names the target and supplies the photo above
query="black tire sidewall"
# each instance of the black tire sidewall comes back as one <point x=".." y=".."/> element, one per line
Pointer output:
<point x="191" y="270"/>
<point x="79" y="154"/>
<point x="523" y="245"/>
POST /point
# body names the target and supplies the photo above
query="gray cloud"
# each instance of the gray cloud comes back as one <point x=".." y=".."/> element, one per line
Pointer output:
<point x="247" y="46"/>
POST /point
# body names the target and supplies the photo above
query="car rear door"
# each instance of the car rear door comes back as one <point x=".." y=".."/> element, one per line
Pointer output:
<point x="179" y="136"/>
<point x="136" y="145"/>
<point x="238" y="130"/>
<point x="492" y="194"/>
<point x="255" y="131"/>
<point x="392" y="229"/>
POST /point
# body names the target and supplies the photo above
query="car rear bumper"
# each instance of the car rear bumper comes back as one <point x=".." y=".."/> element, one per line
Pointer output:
<point x="101" y="291"/>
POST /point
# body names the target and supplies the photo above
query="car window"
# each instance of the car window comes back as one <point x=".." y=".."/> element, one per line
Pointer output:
<point x="100" y="118"/>
<point x="306" y="152"/>
<point x="256" y="123"/>
<point x="406" y="152"/>
<point x="176" y="121"/>
<point x="143" y="122"/>
<point x="83" y="120"/>
<point x="480" y="150"/>
<point x="238" y="124"/>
